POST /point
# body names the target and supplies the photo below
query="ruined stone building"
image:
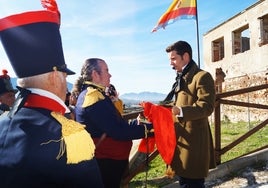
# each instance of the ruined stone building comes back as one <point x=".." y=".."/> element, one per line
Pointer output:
<point x="238" y="48"/>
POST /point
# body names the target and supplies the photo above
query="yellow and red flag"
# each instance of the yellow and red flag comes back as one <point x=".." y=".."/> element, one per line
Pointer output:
<point x="179" y="9"/>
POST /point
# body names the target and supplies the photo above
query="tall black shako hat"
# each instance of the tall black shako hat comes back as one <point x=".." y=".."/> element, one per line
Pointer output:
<point x="32" y="42"/>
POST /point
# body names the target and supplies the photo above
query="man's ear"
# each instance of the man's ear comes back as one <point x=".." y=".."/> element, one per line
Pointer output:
<point x="186" y="56"/>
<point x="53" y="76"/>
<point x="95" y="75"/>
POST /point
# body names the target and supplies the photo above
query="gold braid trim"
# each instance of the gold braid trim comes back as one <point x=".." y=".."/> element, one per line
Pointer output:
<point x="92" y="96"/>
<point x="75" y="141"/>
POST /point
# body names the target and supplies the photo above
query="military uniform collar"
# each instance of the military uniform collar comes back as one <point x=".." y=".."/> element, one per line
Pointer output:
<point x="50" y="95"/>
<point x="96" y="86"/>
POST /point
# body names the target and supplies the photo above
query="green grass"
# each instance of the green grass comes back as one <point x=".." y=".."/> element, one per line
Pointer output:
<point x="156" y="169"/>
<point x="232" y="131"/>
<point x="229" y="133"/>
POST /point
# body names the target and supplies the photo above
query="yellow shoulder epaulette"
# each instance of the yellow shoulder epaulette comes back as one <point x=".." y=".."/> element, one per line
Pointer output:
<point x="92" y="96"/>
<point x="119" y="106"/>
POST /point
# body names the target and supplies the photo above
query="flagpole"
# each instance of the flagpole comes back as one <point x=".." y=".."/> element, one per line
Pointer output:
<point x="197" y="33"/>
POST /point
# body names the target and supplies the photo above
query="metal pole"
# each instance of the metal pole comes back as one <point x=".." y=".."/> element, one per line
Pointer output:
<point x="197" y="35"/>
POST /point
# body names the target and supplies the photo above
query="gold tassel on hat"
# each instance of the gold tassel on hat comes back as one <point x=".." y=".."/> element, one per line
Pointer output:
<point x="76" y="141"/>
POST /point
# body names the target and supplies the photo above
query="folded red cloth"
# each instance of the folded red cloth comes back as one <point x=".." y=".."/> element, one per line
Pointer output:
<point x="164" y="132"/>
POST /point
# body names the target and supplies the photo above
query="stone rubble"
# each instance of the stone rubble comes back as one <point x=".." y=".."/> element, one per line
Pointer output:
<point x="246" y="178"/>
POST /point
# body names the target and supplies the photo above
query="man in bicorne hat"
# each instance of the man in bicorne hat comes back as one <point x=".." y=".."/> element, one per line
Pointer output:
<point x="39" y="147"/>
<point x="7" y="93"/>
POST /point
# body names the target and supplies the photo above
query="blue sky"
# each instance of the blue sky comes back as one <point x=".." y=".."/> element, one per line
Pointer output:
<point x="120" y="33"/>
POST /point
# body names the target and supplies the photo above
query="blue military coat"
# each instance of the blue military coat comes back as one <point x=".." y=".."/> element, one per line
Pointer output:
<point x="29" y="146"/>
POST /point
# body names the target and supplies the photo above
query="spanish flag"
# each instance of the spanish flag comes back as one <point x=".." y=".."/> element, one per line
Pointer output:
<point x="179" y="9"/>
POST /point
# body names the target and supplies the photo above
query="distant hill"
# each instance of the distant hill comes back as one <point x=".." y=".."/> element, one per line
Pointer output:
<point x="135" y="98"/>
<point x="128" y="98"/>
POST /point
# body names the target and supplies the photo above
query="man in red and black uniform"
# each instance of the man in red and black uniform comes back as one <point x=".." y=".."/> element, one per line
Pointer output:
<point x="111" y="133"/>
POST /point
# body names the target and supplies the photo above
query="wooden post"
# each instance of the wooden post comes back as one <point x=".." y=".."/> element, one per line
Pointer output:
<point x="217" y="132"/>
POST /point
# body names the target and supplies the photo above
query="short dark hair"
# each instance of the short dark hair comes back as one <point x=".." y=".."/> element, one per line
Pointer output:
<point x="180" y="47"/>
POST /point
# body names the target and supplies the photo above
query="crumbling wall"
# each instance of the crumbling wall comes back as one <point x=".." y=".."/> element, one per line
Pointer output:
<point x="237" y="113"/>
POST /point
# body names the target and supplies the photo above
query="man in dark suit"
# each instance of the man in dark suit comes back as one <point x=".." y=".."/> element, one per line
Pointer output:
<point x="39" y="147"/>
<point x="194" y="102"/>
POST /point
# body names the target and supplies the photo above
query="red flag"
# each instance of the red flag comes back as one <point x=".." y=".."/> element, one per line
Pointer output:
<point x="147" y="145"/>
<point x="164" y="131"/>
<point x="179" y="9"/>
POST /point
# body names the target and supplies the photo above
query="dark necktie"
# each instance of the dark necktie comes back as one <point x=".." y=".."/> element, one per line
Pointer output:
<point x="175" y="87"/>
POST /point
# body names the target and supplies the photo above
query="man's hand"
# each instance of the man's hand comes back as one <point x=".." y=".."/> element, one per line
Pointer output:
<point x="175" y="111"/>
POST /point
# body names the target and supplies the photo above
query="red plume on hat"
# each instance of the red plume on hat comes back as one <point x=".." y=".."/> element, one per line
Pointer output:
<point x="5" y="75"/>
<point x="50" y="5"/>
<point x="5" y="83"/>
